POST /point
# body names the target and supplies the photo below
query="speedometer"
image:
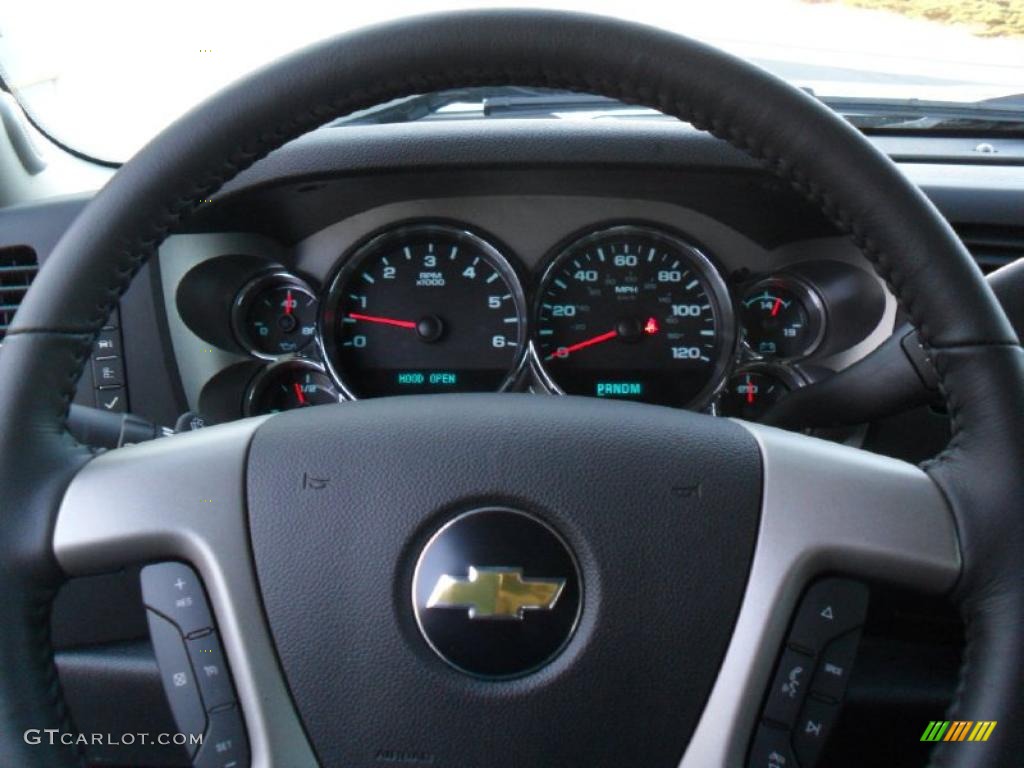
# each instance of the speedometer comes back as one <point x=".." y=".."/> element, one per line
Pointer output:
<point x="635" y="313"/>
<point x="424" y="308"/>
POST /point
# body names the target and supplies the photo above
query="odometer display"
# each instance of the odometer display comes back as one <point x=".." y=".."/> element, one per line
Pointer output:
<point x="425" y="308"/>
<point x="634" y="313"/>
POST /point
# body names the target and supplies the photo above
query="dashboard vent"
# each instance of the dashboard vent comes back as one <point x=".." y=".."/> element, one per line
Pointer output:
<point x="18" y="267"/>
<point x="992" y="246"/>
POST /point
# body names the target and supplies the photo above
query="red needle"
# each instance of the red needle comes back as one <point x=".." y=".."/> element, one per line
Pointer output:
<point x="298" y="392"/>
<point x="566" y="351"/>
<point x="383" y="320"/>
<point x="288" y="302"/>
<point x="750" y="391"/>
<point x="775" y="307"/>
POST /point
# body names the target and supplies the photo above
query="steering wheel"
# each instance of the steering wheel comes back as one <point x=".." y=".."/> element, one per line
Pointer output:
<point x="691" y="537"/>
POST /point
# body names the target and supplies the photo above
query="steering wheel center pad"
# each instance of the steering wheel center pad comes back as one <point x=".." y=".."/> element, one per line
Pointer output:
<point x="662" y="518"/>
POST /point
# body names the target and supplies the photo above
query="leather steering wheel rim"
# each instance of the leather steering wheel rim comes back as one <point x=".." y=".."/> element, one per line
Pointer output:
<point x="975" y="350"/>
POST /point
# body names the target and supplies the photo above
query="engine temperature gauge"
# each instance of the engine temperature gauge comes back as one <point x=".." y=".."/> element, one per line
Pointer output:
<point x="275" y="315"/>
<point x="783" y="318"/>
<point x="750" y="392"/>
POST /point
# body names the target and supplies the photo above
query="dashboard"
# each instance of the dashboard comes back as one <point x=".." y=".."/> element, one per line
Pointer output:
<point x="611" y="298"/>
<point x="279" y="293"/>
<point x="530" y="198"/>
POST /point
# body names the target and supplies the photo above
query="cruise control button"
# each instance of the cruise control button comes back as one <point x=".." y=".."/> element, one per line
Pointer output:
<point x="812" y="730"/>
<point x="831" y="608"/>
<point x="792" y="679"/>
<point x="211" y="670"/>
<point x="173" y="589"/>
<point x="771" y="749"/>
<point x="834" y="666"/>
<point x="177" y="678"/>
<point x="225" y="744"/>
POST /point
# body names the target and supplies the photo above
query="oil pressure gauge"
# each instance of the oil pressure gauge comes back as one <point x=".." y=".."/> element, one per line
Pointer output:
<point x="275" y="314"/>
<point x="783" y="318"/>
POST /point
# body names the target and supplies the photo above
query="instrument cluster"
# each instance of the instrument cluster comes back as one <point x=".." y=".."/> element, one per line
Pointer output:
<point x="629" y="311"/>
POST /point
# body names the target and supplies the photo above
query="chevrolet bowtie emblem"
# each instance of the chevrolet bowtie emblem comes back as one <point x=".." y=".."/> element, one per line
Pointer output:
<point x="495" y="593"/>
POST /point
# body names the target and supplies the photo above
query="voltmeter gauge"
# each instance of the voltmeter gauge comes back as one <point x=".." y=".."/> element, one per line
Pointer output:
<point x="275" y="314"/>
<point x="783" y="318"/>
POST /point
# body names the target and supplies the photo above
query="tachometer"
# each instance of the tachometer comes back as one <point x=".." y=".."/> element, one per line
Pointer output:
<point x="424" y="308"/>
<point x="634" y="312"/>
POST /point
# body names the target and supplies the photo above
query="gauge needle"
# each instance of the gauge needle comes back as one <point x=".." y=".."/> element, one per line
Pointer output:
<point x="299" y="393"/>
<point x="383" y="320"/>
<point x="775" y="307"/>
<point x="288" y="302"/>
<point x="750" y="391"/>
<point x="566" y="351"/>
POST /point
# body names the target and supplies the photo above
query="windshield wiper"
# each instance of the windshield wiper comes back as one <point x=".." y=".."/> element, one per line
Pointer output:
<point x="505" y="101"/>
<point x="405" y="110"/>
<point x="1000" y="115"/>
<point x="548" y="103"/>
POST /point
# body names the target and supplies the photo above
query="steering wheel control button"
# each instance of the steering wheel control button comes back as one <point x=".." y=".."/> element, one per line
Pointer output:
<point x="177" y="677"/>
<point x="211" y="670"/>
<point x="832" y="607"/>
<point x="112" y="400"/>
<point x="812" y="730"/>
<point x="111" y="392"/>
<point x="834" y="667"/>
<point x="497" y="593"/>
<point x="107" y="372"/>
<point x="771" y="749"/>
<point x="817" y="659"/>
<point x="107" y="344"/>
<point x="173" y="589"/>
<point x="789" y="688"/>
<point x="192" y="666"/>
<point x="225" y="744"/>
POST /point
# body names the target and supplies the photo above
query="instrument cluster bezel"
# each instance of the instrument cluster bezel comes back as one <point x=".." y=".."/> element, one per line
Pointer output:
<point x="528" y="372"/>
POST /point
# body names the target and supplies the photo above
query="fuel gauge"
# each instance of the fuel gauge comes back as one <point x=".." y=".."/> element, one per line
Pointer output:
<point x="288" y="385"/>
<point x="783" y="318"/>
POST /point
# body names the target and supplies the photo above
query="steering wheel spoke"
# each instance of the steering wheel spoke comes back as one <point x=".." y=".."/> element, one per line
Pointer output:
<point x="183" y="498"/>
<point x="826" y="508"/>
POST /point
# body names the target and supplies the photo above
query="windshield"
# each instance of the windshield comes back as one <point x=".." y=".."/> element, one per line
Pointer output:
<point x="104" y="77"/>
